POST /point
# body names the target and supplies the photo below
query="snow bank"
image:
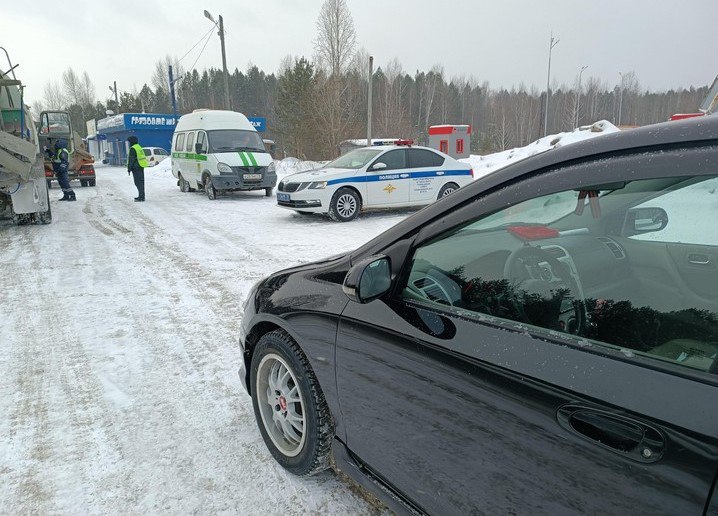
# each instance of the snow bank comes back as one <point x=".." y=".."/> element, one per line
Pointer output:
<point x="163" y="168"/>
<point x="484" y="165"/>
<point x="293" y="165"/>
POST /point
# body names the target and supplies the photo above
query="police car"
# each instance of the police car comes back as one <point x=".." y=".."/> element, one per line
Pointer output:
<point x="386" y="176"/>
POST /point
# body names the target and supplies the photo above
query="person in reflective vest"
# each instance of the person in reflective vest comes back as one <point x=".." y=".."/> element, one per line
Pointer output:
<point x="136" y="164"/>
<point x="60" y="165"/>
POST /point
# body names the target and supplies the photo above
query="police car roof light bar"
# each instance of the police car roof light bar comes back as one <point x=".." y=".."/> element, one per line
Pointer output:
<point x="408" y="143"/>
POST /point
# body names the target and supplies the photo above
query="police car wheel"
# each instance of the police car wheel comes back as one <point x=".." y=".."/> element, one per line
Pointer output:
<point x="447" y="189"/>
<point x="345" y="205"/>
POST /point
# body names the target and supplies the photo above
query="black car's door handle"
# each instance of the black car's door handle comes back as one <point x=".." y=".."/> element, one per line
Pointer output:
<point x="614" y="432"/>
<point x="699" y="259"/>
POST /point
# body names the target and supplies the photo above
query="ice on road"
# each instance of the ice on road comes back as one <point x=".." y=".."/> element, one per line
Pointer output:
<point x="118" y="362"/>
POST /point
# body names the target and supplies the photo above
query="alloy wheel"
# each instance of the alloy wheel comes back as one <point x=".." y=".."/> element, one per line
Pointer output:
<point x="346" y="205"/>
<point x="281" y="405"/>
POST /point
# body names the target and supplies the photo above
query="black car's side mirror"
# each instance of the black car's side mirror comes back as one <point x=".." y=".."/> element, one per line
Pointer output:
<point x="645" y="220"/>
<point x="368" y="279"/>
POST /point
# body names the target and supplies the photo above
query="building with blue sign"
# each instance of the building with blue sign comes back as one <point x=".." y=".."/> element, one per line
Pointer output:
<point x="151" y="129"/>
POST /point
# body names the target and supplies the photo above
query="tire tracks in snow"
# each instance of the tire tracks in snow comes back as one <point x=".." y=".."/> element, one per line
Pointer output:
<point x="55" y="386"/>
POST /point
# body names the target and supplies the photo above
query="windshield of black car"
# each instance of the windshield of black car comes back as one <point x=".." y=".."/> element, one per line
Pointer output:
<point x="228" y="140"/>
<point x="355" y="159"/>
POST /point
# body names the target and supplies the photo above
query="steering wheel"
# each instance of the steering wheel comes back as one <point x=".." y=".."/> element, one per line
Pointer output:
<point x="538" y="292"/>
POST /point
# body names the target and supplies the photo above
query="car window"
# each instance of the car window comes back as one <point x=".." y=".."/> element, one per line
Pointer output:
<point x="424" y="158"/>
<point x="160" y="152"/>
<point x="179" y="142"/>
<point x="355" y="159"/>
<point x="147" y="151"/>
<point x="394" y="159"/>
<point x="574" y="274"/>
<point x="202" y="140"/>
<point x="685" y="225"/>
<point x="190" y="142"/>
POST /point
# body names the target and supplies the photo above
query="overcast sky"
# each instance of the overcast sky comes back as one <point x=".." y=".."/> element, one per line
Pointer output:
<point x="505" y="42"/>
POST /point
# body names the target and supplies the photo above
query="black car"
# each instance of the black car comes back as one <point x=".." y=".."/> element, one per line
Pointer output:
<point x="544" y="340"/>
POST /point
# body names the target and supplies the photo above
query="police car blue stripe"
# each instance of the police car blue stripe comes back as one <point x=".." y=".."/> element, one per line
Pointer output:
<point x="398" y="175"/>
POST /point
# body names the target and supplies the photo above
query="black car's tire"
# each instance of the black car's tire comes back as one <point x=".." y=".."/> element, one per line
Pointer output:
<point x="345" y="205"/>
<point x="183" y="183"/>
<point x="92" y="182"/>
<point x="209" y="188"/>
<point x="447" y="189"/>
<point x="268" y="192"/>
<point x="279" y="369"/>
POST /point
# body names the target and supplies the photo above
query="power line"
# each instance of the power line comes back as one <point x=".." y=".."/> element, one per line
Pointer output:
<point x="201" y="51"/>
<point x="195" y="45"/>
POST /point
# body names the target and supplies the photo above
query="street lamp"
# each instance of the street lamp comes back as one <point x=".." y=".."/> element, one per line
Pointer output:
<point x="578" y="98"/>
<point x="620" y="101"/>
<point x="172" y="82"/>
<point x="552" y="44"/>
<point x="220" y="25"/>
<point x="368" y="117"/>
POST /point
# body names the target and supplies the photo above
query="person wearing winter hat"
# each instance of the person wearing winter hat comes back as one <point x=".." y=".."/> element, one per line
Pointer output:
<point x="60" y="164"/>
<point x="136" y="164"/>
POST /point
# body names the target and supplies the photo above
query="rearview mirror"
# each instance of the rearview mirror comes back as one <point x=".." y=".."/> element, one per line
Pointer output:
<point x="198" y="148"/>
<point x="645" y="220"/>
<point x="378" y="166"/>
<point x="368" y="279"/>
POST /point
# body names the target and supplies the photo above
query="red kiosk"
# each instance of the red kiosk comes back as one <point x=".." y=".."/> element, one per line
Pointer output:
<point x="454" y="140"/>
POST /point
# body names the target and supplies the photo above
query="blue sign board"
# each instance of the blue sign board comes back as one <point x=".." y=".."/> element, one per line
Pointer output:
<point x="149" y="121"/>
<point x="259" y="123"/>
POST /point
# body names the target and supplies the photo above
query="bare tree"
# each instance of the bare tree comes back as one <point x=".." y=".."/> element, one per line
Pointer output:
<point x="434" y="79"/>
<point x="160" y="76"/>
<point x="336" y="37"/>
<point x="54" y="99"/>
<point x="72" y="87"/>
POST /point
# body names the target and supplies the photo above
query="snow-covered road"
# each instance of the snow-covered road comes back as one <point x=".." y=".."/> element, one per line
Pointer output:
<point x="118" y="353"/>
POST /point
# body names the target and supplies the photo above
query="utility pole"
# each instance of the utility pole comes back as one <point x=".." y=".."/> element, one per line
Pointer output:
<point x="224" y="56"/>
<point x="172" y="93"/>
<point x="552" y="44"/>
<point x="620" y="101"/>
<point x="368" y="118"/>
<point x="224" y="64"/>
<point x="578" y="98"/>
<point x="113" y="89"/>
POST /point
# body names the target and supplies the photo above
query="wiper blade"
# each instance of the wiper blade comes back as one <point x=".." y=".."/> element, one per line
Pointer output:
<point x="254" y="149"/>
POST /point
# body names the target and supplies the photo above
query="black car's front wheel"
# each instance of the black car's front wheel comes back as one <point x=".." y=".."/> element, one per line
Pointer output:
<point x="289" y="405"/>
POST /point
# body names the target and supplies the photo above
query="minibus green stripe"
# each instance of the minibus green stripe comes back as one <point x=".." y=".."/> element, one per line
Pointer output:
<point x="251" y="158"/>
<point x="244" y="159"/>
<point x="189" y="155"/>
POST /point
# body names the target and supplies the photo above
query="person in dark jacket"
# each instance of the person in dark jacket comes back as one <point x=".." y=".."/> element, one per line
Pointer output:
<point x="136" y="164"/>
<point x="60" y="165"/>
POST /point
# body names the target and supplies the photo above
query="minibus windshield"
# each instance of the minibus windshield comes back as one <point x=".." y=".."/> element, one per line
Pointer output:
<point x="227" y="140"/>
